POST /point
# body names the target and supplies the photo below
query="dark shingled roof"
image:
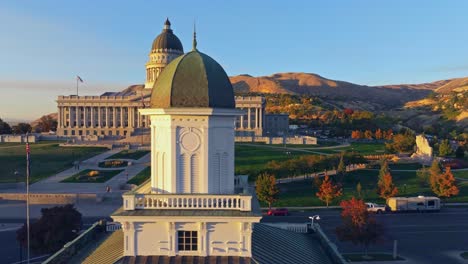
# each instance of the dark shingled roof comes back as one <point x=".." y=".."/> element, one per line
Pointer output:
<point x="193" y="80"/>
<point x="167" y="40"/>
<point x="271" y="245"/>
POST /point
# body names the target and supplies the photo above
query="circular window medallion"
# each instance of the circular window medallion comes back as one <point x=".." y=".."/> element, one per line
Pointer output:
<point x="190" y="141"/>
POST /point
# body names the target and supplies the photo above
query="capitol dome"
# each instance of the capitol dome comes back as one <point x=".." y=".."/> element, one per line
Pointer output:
<point x="193" y="80"/>
<point x="167" y="40"/>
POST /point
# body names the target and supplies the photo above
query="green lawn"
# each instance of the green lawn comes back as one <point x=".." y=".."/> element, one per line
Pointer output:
<point x="47" y="159"/>
<point x="302" y="193"/>
<point x="371" y="257"/>
<point x="83" y="176"/>
<point x="251" y="159"/>
<point x="141" y="177"/>
<point x="461" y="174"/>
<point x="129" y="154"/>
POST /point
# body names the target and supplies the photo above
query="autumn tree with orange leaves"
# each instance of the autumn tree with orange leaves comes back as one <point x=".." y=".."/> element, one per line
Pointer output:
<point x="266" y="189"/>
<point x="359" y="227"/>
<point x="386" y="188"/>
<point x="443" y="184"/>
<point x="328" y="191"/>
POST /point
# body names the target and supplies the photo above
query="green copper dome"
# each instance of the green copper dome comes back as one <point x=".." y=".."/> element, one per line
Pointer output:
<point x="193" y="80"/>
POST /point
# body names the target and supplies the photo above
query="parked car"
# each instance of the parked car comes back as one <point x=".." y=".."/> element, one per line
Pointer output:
<point x="419" y="204"/>
<point x="278" y="211"/>
<point x="376" y="208"/>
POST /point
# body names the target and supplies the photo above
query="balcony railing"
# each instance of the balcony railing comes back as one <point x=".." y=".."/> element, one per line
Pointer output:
<point x="187" y="202"/>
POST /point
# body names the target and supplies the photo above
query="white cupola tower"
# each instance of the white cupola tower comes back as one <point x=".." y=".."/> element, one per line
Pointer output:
<point x="192" y="127"/>
<point x="190" y="207"/>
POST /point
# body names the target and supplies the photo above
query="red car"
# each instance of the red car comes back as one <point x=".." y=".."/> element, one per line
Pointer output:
<point x="278" y="211"/>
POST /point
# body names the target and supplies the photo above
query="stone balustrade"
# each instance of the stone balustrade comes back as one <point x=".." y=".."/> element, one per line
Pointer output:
<point x="188" y="201"/>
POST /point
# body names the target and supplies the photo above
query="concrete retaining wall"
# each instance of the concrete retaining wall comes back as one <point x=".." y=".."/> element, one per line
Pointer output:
<point x="17" y="138"/>
<point x="52" y="198"/>
<point x="299" y="140"/>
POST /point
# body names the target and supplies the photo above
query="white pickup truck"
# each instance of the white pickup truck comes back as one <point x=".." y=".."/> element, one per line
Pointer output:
<point x="376" y="208"/>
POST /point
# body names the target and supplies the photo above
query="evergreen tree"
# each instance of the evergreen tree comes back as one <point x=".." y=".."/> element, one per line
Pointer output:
<point x="444" y="148"/>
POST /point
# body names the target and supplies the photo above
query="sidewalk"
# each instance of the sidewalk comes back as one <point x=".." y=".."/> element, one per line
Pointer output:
<point x="53" y="183"/>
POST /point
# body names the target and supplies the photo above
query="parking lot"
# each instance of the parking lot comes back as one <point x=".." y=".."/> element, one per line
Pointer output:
<point x="436" y="237"/>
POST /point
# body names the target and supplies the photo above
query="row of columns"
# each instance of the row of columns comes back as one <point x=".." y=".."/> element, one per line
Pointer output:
<point x="258" y="119"/>
<point x="100" y="117"/>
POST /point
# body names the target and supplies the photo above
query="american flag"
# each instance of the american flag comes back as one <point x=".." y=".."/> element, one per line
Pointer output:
<point x="79" y="78"/>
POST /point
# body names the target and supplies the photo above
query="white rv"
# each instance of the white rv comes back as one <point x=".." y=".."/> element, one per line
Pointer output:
<point x="420" y="204"/>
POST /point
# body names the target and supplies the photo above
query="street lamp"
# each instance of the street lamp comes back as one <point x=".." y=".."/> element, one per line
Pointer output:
<point x="312" y="218"/>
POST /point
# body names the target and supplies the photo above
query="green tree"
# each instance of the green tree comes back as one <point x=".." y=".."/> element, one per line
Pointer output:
<point x="423" y="175"/>
<point x="444" y="148"/>
<point x="46" y="123"/>
<point x="402" y="143"/>
<point x="266" y="189"/>
<point x="57" y="226"/>
<point x="4" y="127"/>
<point x="341" y="170"/>
<point x="22" y="128"/>
<point x="359" y="190"/>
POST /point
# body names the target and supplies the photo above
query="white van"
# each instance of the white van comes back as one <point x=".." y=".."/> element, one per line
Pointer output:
<point x="420" y="204"/>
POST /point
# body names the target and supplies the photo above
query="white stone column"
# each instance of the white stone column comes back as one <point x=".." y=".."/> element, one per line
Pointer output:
<point x="256" y="117"/>
<point x="107" y="117"/>
<point x="242" y="121"/>
<point x="59" y="117"/>
<point x="121" y="117"/>
<point x="85" y="117"/>
<point x="114" y="117"/>
<point x="77" y="116"/>
<point x="70" y="115"/>
<point x="99" y="117"/>
<point x="248" y="118"/>
<point x="92" y="117"/>
<point x="130" y="116"/>
<point x="139" y="119"/>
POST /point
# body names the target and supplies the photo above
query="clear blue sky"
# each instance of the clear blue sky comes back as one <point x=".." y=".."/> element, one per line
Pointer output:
<point x="45" y="44"/>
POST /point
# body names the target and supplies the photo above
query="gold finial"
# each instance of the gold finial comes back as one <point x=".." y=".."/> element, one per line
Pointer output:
<point x="194" y="44"/>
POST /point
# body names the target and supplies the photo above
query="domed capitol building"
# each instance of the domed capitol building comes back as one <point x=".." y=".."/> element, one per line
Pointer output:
<point x="115" y="114"/>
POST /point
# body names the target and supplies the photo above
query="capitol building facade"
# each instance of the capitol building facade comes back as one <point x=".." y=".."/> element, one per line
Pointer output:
<point x="116" y="114"/>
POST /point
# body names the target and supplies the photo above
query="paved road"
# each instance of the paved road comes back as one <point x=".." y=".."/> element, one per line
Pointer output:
<point x="422" y="238"/>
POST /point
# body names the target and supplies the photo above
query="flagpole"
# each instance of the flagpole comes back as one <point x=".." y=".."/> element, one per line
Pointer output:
<point x="27" y="191"/>
<point x="76" y="85"/>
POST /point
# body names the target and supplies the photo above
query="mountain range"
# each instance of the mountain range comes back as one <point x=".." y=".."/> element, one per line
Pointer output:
<point x="344" y="94"/>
